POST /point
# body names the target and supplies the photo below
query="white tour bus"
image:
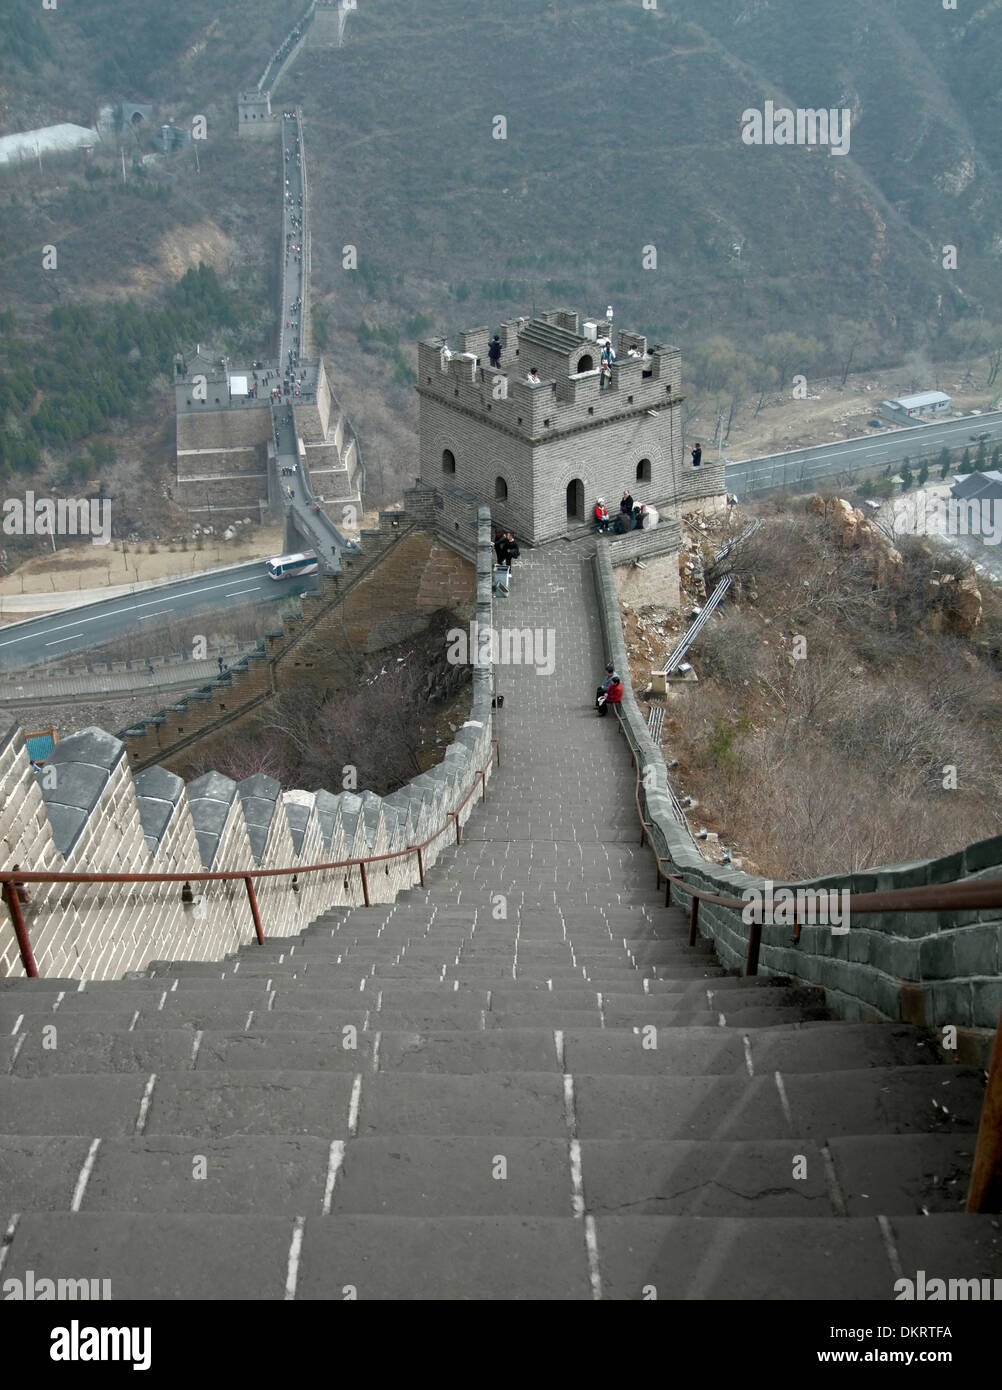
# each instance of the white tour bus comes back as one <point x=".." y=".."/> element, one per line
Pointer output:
<point x="292" y="566"/>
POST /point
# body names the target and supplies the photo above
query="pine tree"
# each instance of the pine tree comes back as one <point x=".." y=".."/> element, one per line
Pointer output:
<point x="944" y="462"/>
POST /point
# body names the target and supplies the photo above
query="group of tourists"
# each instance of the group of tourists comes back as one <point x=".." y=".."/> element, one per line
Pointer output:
<point x="632" y="516"/>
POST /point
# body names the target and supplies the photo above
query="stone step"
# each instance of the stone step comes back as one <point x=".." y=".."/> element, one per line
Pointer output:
<point x="25" y="988"/>
<point x="903" y="1174"/>
<point x="446" y="1175"/>
<point x="207" y="1256"/>
<point x="200" y="1256"/>
<point x="67" y="1048"/>
<point x="729" y="1257"/>
<point x="626" y="1012"/>
<point x="74" y="1104"/>
<point x="695" y="1050"/>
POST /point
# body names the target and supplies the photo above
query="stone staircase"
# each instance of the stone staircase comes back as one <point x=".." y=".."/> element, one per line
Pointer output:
<point x="516" y="1083"/>
<point x="432" y="1100"/>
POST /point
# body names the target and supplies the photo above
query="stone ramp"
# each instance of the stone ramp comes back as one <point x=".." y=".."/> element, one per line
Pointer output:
<point x="516" y="1083"/>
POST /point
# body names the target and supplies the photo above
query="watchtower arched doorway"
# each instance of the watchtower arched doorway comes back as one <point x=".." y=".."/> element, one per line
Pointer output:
<point x="575" y="500"/>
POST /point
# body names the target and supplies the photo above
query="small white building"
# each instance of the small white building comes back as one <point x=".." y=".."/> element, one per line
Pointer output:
<point x="924" y="405"/>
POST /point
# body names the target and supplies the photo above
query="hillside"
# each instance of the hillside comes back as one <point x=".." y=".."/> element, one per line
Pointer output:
<point x="623" y="133"/>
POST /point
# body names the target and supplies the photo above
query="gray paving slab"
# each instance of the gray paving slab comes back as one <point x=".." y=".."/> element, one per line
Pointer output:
<point x="692" y="1051"/>
<point x="60" y="1046"/>
<point x="158" y="1257"/>
<point x="710" y="1178"/>
<point x="678" y="1107"/>
<point x="218" y="1105"/>
<point x="20" y="987"/>
<point x="950" y="1247"/>
<point x="885" y="1099"/>
<point x="459" y="1259"/>
<point x="409" y="1175"/>
<point x="336" y="1050"/>
<point x="559" y="1018"/>
<point x="903" y="1174"/>
<point x="40" y="1172"/>
<point x="841" y="1046"/>
<point x="701" y="1258"/>
<point x="512" y="1103"/>
<point x="244" y="1174"/>
<point x="83" y="1105"/>
<point x="469" y="1053"/>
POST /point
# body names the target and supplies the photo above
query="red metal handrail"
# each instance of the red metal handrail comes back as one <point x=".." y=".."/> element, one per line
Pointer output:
<point x="985" y="1191"/>
<point x="12" y="880"/>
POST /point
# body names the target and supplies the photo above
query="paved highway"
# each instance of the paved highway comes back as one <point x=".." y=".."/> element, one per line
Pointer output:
<point x="60" y="634"/>
<point x="753" y="477"/>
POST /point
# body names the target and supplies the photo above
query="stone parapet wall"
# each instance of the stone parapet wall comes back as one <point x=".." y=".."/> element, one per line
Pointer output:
<point x="934" y="968"/>
<point x="89" y="812"/>
<point x="208" y="428"/>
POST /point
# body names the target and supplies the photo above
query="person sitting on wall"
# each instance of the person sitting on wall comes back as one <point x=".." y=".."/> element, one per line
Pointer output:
<point x="501" y="547"/>
<point x="601" y="516"/>
<point x="639" y="512"/>
<point x="613" y="696"/>
<point x="610" y="671"/>
<point x="624" y="521"/>
<point x="513" y="551"/>
<point x="533" y="376"/>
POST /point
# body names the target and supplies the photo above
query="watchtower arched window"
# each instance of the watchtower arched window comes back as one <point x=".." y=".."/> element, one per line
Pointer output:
<point x="448" y="461"/>
<point x="500" y="490"/>
<point x="644" y="471"/>
<point x="586" y="363"/>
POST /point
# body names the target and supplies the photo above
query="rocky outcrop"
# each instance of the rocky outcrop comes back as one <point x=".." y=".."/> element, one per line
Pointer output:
<point x="953" y="603"/>
<point x="851" y="530"/>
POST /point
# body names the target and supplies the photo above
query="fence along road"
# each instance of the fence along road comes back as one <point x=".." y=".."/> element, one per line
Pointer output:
<point x="802" y="467"/>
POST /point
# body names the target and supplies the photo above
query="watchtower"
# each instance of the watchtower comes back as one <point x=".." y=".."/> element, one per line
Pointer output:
<point x="254" y="114"/>
<point x="569" y="414"/>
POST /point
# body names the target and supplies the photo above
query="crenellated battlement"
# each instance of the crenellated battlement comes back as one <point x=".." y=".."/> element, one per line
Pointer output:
<point x="102" y="804"/>
<point x="559" y="403"/>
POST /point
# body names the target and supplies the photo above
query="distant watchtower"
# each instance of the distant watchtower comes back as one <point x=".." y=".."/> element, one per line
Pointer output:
<point x="254" y="114"/>
<point x="550" y="429"/>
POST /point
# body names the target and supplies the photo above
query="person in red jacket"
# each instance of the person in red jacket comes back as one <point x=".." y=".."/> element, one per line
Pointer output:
<point x="601" y="515"/>
<point x="612" y="696"/>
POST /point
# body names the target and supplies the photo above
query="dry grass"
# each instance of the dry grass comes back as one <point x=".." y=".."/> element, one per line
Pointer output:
<point x="881" y="745"/>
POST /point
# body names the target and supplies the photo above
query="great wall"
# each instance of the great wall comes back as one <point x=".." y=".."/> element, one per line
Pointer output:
<point x="504" y="1005"/>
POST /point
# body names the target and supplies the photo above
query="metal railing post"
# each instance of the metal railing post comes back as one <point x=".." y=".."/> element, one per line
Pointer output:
<point x="985" y="1191"/>
<point x="252" y="899"/>
<point x="365" y="883"/>
<point x="13" y="899"/>
<point x="754" y="942"/>
<point x="420" y="865"/>
<point x="693" y="919"/>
